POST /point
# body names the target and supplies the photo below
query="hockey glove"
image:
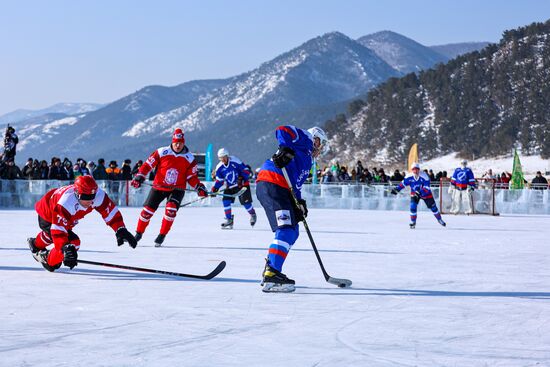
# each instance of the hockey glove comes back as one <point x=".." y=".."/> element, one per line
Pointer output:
<point x="301" y="211"/>
<point x="471" y="188"/>
<point x="201" y="190"/>
<point x="138" y="180"/>
<point x="70" y="256"/>
<point x="214" y="191"/>
<point x="394" y="191"/>
<point x="283" y="156"/>
<point x="122" y="235"/>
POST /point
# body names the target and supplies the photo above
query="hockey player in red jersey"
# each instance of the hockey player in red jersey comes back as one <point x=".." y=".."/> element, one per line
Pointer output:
<point x="175" y="168"/>
<point x="60" y="210"/>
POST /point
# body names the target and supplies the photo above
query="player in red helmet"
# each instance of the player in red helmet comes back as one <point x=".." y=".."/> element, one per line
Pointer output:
<point x="176" y="168"/>
<point x="60" y="210"/>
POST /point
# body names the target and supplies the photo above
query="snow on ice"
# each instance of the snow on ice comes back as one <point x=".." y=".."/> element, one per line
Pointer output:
<point x="473" y="294"/>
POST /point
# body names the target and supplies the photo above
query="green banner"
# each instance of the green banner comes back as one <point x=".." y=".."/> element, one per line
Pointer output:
<point x="517" y="181"/>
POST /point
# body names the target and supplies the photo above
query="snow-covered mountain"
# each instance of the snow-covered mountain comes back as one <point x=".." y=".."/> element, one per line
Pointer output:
<point x="453" y="50"/>
<point x="402" y="53"/>
<point x="17" y="116"/>
<point x="239" y="112"/>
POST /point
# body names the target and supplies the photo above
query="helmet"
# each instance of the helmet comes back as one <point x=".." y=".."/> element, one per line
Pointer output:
<point x="178" y="136"/>
<point x="223" y="153"/>
<point x="317" y="132"/>
<point x="415" y="165"/>
<point x="464" y="162"/>
<point x="85" y="187"/>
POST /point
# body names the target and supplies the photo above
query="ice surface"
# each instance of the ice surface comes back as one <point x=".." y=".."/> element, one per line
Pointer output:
<point x="476" y="293"/>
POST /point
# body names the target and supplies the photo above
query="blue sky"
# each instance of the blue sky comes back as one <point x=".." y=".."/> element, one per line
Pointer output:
<point x="98" y="51"/>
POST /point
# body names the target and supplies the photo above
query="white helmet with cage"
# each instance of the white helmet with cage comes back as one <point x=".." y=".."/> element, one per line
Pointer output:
<point x="223" y="153"/>
<point x="317" y="132"/>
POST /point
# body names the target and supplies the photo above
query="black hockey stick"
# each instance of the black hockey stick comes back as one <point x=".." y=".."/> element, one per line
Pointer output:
<point x="209" y="276"/>
<point x="342" y="283"/>
<point x="235" y="195"/>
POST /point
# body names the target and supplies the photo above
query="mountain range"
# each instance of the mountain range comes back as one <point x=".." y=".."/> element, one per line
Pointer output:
<point x="305" y="86"/>
<point x="481" y="104"/>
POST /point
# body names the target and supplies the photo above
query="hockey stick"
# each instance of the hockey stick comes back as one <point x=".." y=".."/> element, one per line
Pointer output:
<point x="209" y="276"/>
<point x="342" y="283"/>
<point x="237" y="194"/>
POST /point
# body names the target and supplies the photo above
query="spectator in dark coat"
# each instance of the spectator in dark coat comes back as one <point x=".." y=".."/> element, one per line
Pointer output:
<point x="343" y="175"/>
<point x="10" y="144"/>
<point x="100" y="172"/>
<point x="55" y="172"/>
<point x="67" y="171"/>
<point x="43" y="170"/>
<point x="126" y="171"/>
<point x="11" y="171"/>
<point x="396" y="176"/>
<point x="27" y="170"/>
<point x="431" y="175"/>
<point x="539" y="182"/>
<point x="359" y="169"/>
<point x="137" y="166"/>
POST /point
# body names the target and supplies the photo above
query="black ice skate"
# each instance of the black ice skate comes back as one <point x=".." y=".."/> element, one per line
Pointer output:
<point x="41" y="256"/>
<point x="159" y="240"/>
<point x="275" y="281"/>
<point x="412" y="225"/>
<point x="138" y="236"/>
<point x="440" y="221"/>
<point x="253" y="219"/>
<point x="228" y="224"/>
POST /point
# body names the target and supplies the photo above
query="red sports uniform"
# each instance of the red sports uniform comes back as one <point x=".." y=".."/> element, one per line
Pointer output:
<point x="61" y="208"/>
<point x="174" y="172"/>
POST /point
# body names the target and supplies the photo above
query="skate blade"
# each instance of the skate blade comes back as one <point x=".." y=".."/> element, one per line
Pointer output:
<point x="36" y="256"/>
<point x="158" y="244"/>
<point x="227" y="227"/>
<point x="278" y="288"/>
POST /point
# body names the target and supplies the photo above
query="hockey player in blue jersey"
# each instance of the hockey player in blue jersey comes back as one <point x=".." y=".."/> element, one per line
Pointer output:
<point x="233" y="174"/>
<point x="462" y="186"/>
<point x="419" y="183"/>
<point x="297" y="148"/>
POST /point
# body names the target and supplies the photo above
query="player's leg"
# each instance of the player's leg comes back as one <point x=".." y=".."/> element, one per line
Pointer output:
<point x="467" y="202"/>
<point x="246" y="201"/>
<point x="430" y="203"/>
<point x="413" y="211"/>
<point x="455" y="207"/>
<point x="280" y="213"/>
<point x="228" y="224"/>
<point x="154" y="198"/>
<point x="173" y="202"/>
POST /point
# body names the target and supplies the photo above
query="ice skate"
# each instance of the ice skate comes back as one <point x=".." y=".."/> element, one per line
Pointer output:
<point x="228" y="224"/>
<point x="253" y="219"/>
<point x="412" y="225"/>
<point x="159" y="240"/>
<point x="440" y="221"/>
<point x="275" y="281"/>
<point x="138" y="236"/>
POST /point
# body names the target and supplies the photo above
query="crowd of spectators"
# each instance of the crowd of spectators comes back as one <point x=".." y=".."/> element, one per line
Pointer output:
<point x="66" y="170"/>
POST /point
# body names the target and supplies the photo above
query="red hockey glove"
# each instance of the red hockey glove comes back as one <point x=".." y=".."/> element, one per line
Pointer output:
<point x="201" y="190"/>
<point x="138" y="180"/>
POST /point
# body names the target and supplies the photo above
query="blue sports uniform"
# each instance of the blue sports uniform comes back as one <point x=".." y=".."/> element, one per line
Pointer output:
<point x="420" y="189"/>
<point x="462" y="178"/>
<point x="274" y="195"/>
<point x="233" y="175"/>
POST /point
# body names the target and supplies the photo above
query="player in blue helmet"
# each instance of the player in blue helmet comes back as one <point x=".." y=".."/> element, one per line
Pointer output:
<point x="297" y="148"/>
<point x="419" y="183"/>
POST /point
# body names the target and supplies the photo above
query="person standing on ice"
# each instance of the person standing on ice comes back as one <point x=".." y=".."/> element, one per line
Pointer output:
<point x="462" y="186"/>
<point x="232" y="173"/>
<point x="297" y="148"/>
<point x="60" y="210"/>
<point x="176" y="167"/>
<point x="419" y="183"/>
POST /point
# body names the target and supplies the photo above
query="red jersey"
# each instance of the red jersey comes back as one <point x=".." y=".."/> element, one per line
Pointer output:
<point x="60" y="207"/>
<point x="174" y="170"/>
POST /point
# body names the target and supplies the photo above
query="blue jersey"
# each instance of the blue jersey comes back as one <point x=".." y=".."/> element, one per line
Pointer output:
<point x="462" y="178"/>
<point x="420" y="185"/>
<point x="229" y="174"/>
<point x="298" y="169"/>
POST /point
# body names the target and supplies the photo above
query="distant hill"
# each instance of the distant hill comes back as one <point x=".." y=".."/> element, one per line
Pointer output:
<point x="453" y="50"/>
<point x="481" y="104"/>
<point x="64" y="108"/>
